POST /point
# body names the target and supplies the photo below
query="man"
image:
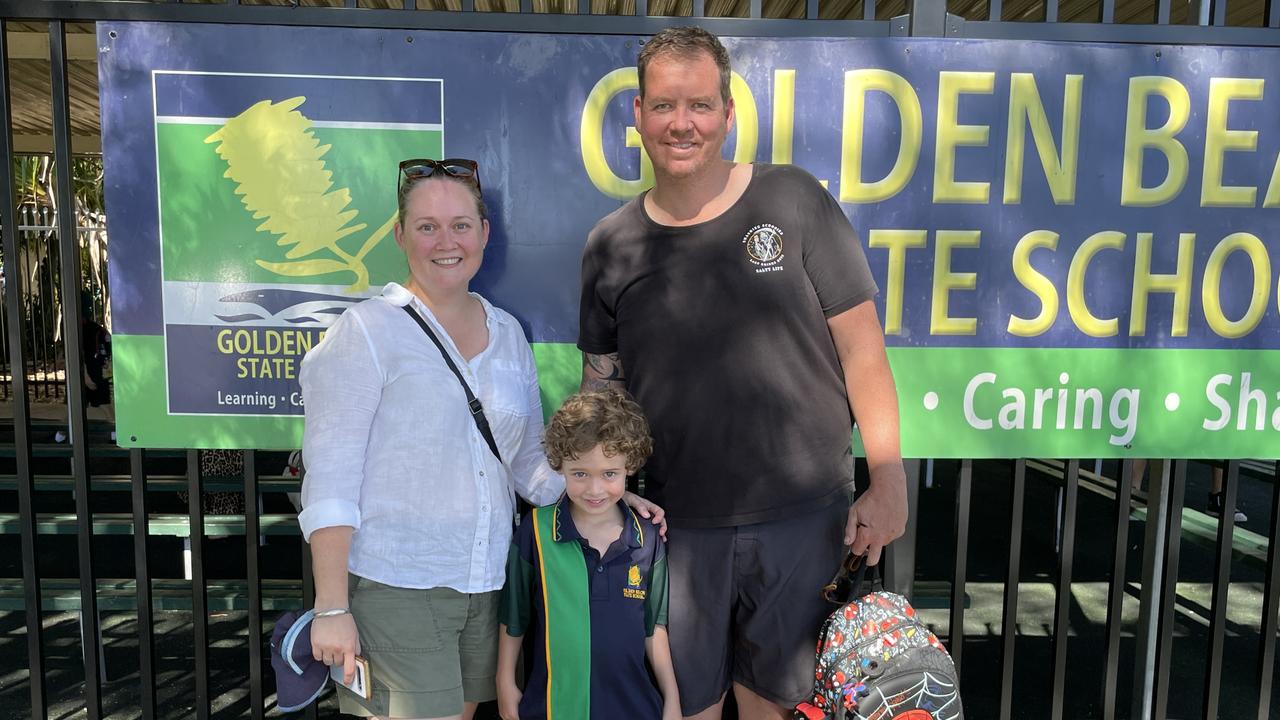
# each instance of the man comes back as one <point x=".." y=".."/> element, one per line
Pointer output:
<point x="734" y="302"/>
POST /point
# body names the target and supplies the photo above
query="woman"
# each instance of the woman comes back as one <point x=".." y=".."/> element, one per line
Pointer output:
<point x="407" y="509"/>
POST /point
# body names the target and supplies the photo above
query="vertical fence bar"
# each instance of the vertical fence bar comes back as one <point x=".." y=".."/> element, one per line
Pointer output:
<point x="1009" y="623"/>
<point x="584" y="7"/>
<point x="14" y="281"/>
<point x="199" y="593"/>
<point x="308" y="602"/>
<point x="1051" y="11"/>
<point x="898" y="564"/>
<point x="38" y="323"/>
<point x="1147" y="633"/>
<point x="1115" y="591"/>
<point x="755" y="8"/>
<point x="1204" y="10"/>
<point x="1162" y="12"/>
<point x="1062" y="612"/>
<point x="1273" y="13"/>
<point x="1219" y="12"/>
<point x="142" y="578"/>
<point x="48" y="309"/>
<point x="1221" y="584"/>
<point x="74" y="364"/>
<point x="868" y="9"/>
<point x="5" y="363"/>
<point x="42" y="342"/>
<point x="995" y="12"/>
<point x="31" y="304"/>
<point x="1169" y="592"/>
<point x="811" y="8"/>
<point x="964" y="492"/>
<point x="251" y="535"/>
<point x="1270" y="602"/>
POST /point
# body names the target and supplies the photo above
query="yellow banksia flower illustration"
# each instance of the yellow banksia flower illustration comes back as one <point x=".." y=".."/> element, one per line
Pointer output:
<point x="278" y="167"/>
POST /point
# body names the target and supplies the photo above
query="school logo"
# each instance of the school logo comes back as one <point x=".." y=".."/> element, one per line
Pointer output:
<point x="276" y="215"/>
<point x="633" y="590"/>
<point x="763" y="244"/>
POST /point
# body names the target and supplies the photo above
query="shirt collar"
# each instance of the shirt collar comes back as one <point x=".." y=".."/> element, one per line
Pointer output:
<point x="399" y="296"/>
<point x="565" y="530"/>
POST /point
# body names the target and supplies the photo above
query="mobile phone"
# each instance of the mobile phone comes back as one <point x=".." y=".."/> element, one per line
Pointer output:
<point x="360" y="684"/>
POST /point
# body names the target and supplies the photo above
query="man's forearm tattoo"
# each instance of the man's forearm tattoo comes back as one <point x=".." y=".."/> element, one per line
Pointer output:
<point x="606" y="372"/>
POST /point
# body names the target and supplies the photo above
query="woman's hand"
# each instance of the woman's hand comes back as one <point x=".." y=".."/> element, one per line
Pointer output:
<point x="671" y="711"/>
<point x="335" y="641"/>
<point x="646" y="509"/>
<point x="509" y="700"/>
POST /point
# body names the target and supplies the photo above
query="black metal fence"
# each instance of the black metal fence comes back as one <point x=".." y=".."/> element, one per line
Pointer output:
<point x="1015" y="525"/>
<point x="37" y="262"/>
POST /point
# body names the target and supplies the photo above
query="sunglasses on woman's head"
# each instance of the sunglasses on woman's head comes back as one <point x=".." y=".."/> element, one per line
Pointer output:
<point x="463" y="168"/>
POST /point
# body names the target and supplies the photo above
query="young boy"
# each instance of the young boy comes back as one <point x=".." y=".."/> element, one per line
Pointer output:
<point x="589" y="578"/>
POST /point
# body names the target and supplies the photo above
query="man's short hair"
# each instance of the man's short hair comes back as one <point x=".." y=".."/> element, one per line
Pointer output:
<point x="605" y="417"/>
<point x="686" y="43"/>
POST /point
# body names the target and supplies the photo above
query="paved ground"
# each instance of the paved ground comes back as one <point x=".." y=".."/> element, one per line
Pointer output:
<point x="981" y="652"/>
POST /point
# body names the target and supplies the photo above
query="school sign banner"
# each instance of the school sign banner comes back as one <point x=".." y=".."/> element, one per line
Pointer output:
<point x="1076" y="244"/>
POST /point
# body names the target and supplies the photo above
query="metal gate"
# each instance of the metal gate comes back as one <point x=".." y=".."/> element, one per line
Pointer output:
<point x="1043" y="498"/>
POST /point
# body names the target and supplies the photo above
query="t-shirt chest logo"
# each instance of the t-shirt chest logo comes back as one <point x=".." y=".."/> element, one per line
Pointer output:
<point x="763" y="244"/>
<point x="633" y="589"/>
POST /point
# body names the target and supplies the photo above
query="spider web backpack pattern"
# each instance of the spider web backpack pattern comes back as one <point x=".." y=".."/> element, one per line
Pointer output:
<point x="877" y="661"/>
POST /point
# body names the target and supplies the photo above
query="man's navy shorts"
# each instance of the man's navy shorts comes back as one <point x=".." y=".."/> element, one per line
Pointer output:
<point x="746" y="604"/>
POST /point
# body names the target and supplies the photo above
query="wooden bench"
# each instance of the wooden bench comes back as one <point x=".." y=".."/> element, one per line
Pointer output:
<point x="63" y="594"/>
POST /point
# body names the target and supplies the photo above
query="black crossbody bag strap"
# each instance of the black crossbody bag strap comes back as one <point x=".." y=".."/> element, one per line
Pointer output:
<point x="477" y="410"/>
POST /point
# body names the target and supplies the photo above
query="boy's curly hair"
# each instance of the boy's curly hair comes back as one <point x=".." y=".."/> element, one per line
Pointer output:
<point x="605" y="417"/>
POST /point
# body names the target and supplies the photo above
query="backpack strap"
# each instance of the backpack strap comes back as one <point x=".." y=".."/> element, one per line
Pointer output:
<point x="851" y="575"/>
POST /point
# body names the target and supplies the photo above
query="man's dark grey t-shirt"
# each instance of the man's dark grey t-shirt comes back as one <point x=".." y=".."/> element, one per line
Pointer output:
<point x="721" y="331"/>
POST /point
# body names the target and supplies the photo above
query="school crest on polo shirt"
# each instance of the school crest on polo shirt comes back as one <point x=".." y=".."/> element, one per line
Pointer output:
<point x="763" y="244"/>
<point x="632" y="590"/>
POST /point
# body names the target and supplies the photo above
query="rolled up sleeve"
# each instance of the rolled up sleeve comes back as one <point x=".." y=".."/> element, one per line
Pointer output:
<point x="341" y="388"/>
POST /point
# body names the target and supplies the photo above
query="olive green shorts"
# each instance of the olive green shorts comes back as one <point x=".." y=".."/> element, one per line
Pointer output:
<point x="429" y="651"/>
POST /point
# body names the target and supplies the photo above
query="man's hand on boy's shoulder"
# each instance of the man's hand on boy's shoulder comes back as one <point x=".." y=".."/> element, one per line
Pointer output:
<point x="646" y="509"/>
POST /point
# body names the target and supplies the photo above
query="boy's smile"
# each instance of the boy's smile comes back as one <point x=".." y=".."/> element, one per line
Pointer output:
<point x="595" y="482"/>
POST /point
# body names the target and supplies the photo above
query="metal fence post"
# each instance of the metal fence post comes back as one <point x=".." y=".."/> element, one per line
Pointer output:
<point x="14" y="282"/>
<point x="1152" y="579"/>
<point x="928" y="17"/>
<point x="74" y="364"/>
<point x="900" y="557"/>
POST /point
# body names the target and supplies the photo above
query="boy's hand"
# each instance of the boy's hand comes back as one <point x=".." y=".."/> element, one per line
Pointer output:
<point x="509" y="700"/>
<point x="648" y="510"/>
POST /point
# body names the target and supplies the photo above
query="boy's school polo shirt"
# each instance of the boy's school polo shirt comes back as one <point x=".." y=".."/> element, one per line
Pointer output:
<point x="589" y="615"/>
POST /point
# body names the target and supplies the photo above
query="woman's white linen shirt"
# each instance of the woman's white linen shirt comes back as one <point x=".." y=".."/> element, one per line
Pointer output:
<point x="392" y="451"/>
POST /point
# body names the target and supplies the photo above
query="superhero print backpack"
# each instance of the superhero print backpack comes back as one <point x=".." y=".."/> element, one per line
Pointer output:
<point x="877" y="661"/>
